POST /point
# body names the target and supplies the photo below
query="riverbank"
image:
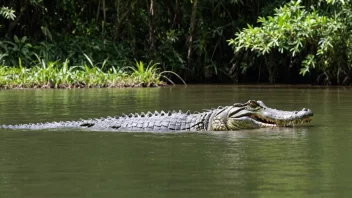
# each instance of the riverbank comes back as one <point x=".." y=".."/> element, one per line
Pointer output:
<point x="61" y="75"/>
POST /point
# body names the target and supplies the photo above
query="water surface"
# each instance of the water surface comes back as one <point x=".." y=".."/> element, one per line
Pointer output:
<point x="308" y="161"/>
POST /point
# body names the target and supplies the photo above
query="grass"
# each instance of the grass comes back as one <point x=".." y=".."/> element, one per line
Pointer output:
<point x="56" y="74"/>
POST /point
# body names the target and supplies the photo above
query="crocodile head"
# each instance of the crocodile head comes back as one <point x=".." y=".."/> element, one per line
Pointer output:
<point x="255" y="114"/>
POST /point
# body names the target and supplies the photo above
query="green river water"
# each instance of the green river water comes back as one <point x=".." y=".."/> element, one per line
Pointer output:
<point x="313" y="160"/>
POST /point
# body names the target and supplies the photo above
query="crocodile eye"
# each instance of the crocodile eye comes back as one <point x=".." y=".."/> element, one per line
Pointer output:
<point x="253" y="104"/>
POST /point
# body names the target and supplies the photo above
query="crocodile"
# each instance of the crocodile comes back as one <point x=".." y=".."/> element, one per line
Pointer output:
<point x="250" y="115"/>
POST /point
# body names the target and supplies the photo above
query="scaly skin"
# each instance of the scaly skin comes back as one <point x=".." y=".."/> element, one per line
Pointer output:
<point x="249" y="115"/>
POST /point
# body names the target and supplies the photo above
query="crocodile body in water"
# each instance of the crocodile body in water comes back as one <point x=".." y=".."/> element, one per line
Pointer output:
<point x="249" y="115"/>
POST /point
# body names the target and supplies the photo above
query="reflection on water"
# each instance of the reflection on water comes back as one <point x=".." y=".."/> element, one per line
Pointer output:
<point x="307" y="161"/>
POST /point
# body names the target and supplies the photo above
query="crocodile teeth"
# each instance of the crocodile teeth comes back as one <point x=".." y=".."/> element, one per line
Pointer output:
<point x="268" y="125"/>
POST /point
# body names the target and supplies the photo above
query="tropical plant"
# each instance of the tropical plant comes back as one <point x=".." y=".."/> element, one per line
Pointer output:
<point x="7" y="13"/>
<point x="57" y="74"/>
<point x="185" y="37"/>
<point x="18" y="48"/>
<point x="321" y="42"/>
<point x="147" y="75"/>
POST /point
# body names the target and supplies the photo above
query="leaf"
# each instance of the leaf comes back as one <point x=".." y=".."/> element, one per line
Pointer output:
<point x="16" y="39"/>
<point x="261" y="20"/>
<point x="303" y="71"/>
<point x="89" y="60"/>
<point x="23" y="40"/>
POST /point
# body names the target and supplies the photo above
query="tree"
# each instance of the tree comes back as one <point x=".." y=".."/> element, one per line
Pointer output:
<point x="320" y="39"/>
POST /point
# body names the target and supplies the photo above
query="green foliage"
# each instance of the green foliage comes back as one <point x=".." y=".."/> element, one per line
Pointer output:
<point x="18" y="48"/>
<point x="7" y="13"/>
<point x="56" y="74"/>
<point x="127" y="30"/>
<point x="308" y="63"/>
<point x="188" y="38"/>
<point x="149" y="75"/>
<point x="146" y="74"/>
<point x="320" y="40"/>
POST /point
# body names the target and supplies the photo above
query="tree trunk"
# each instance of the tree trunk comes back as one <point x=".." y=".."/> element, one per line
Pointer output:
<point x="192" y="29"/>
<point x="18" y="18"/>
<point x="121" y="16"/>
<point x="176" y="18"/>
<point x="151" y="39"/>
<point x="104" y="20"/>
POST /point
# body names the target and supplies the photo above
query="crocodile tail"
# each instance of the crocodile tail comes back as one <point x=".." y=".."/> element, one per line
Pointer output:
<point x="48" y="125"/>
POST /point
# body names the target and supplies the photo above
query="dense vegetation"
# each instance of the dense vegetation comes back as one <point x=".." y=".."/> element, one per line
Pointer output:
<point x="97" y="42"/>
<point x="317" y="39"/>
